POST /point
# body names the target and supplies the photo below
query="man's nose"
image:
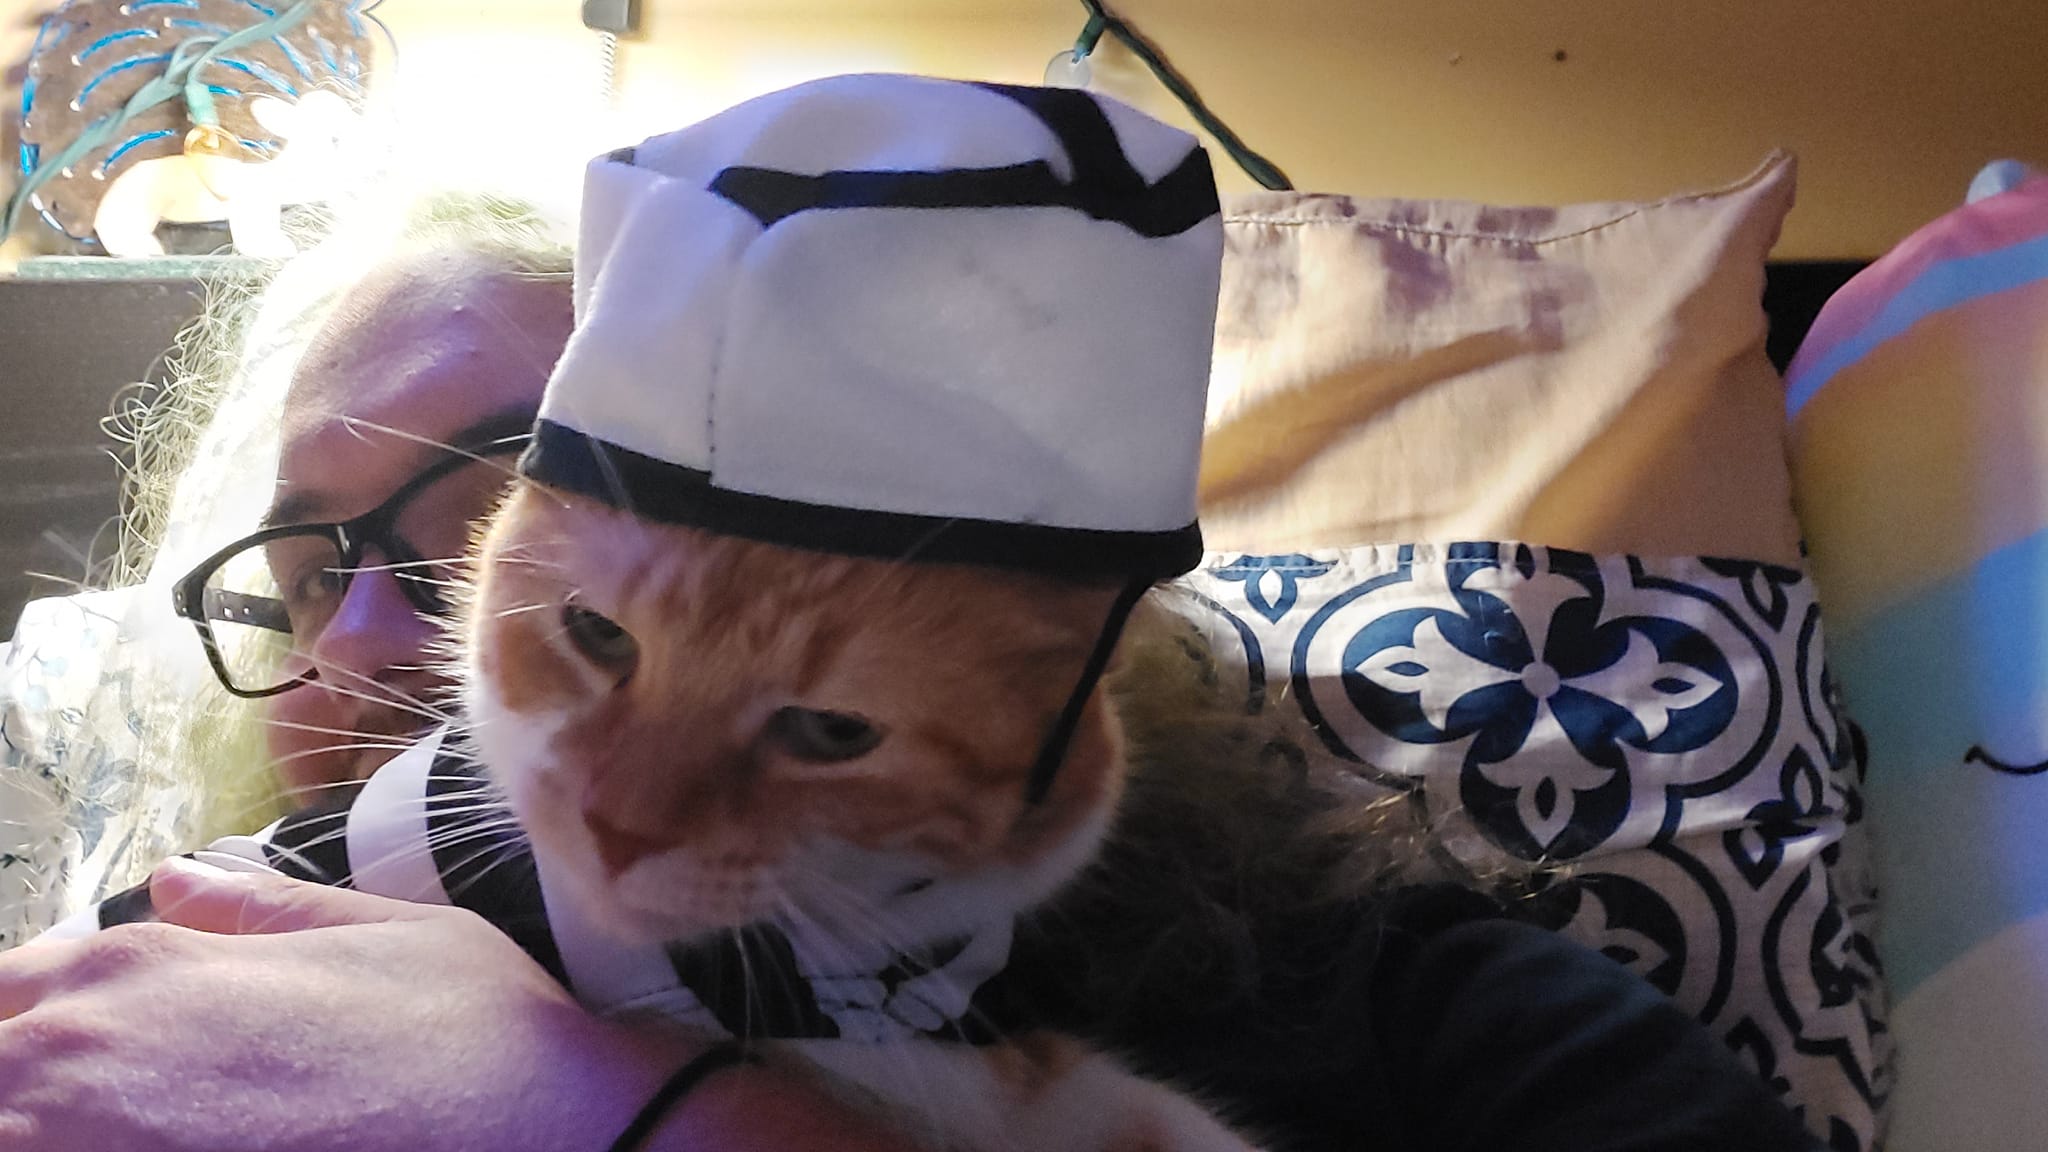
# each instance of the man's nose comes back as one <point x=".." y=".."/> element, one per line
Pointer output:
<point x="375" y="634"/>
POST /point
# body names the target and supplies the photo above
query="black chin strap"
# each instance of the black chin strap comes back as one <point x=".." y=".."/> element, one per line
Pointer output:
<point x="1053" y="752"/>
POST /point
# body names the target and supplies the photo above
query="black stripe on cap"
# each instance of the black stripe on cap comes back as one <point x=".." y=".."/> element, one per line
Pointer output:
<point x="1105" y="186"/>
<point x="561" y="457"/>
<point x="1183" y="199"/>
<point x="1085" y="134"/>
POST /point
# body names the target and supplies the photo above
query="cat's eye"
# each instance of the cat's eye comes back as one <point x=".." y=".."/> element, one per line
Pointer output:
<point x="601" y="640"/>
<point x="823" y="737"/>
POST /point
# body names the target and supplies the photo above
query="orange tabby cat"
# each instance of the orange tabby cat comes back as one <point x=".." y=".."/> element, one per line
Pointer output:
<point x="701" y="732"/>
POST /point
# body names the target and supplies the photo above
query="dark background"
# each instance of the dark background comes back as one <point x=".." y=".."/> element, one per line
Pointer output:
<point x="67" y="347"/>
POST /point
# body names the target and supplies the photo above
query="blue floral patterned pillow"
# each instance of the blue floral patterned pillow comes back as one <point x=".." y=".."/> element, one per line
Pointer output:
<point x="1665" y="727"/>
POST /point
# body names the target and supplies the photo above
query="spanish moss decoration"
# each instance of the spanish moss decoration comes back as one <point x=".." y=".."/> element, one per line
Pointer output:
<point x="93" y="59"/>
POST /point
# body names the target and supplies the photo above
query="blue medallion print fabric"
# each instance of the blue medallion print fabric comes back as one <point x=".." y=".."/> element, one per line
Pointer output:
<point x="1663" y="727"/>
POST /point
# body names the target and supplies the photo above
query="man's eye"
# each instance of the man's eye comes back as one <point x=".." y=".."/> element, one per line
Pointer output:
<point x="313" y="585"/>
<point x="309" y="594"/>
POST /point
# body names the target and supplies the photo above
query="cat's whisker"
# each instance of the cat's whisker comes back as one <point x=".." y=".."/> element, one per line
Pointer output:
<point x="298" y="792"/>
<point x="330" y="749"/>
<point x="450" y="585"/>
<point x="622" y="495"/>
<point x="424" y="712"/>
<point x="250" y="814"/>
<point x="478" y="818"/>
<point x="511" y="331"/>
<point x="763" y="990"/>
<point x="484" y="797"/>
<point x="749" y="988"/>
<point x="873" y="923"/>
<point x="859" y="912"/>
<point x="262" y="926"/>
<point x="507" y="557"/>
<point x="302" y="790"/>
<point x="873" y="928"/>
<point x="508" y="850"/>
<point x="298" y="859"/>
<point x="391" y="739"/>
<point x="394" y="698"/>
<point x="455" y="837"/>
<point x="384" y="694"/>
<point x="853" y="911"/>
<point x="880" y="586"/>
<point x="837" y="959"/>
<point x="818" y="886"/>
<point x="334" y="827"/>
<point x="390" y="692"/>
<point x="480" y="798"/>
<point x="356" y="424"/>
<point x="409" y="567"/>
<point x="471" y="804"/>
<point x="894" y="1061"/>
<point x="519" y="551"/>
<point x="276" y="762"/>
<point x="478" y="787"/>
<point x="432" y="666"/>
<point x="423" y="850"/>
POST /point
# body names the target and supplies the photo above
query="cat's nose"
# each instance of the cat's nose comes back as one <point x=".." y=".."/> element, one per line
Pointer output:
<point x="618" y="848"/>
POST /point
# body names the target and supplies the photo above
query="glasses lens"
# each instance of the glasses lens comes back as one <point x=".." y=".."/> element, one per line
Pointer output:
<point x="433" y="531"/>
<point x="266" y="596"/>
<point x="424" y="583"/>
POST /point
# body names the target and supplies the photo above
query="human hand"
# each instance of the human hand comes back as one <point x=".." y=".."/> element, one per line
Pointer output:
<point x="300" y="1018"/>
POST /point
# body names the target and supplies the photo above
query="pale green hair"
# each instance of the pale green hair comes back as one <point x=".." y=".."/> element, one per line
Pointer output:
<point x="201" y="443"/>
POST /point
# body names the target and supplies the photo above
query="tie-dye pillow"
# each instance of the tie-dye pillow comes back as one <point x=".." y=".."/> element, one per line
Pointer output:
<point x="1919" y="410"/>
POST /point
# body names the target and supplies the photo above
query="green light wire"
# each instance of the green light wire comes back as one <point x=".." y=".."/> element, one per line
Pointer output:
<point x="1091" y="34"/>
<point x="1267" y="173"/>
<point x="180" y="78"/>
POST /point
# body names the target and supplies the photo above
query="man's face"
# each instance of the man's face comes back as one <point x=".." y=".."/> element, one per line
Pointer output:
<point x="420" y="352"/>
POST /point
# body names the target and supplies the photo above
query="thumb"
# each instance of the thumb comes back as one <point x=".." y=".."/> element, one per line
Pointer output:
<point x="201" y="896"/>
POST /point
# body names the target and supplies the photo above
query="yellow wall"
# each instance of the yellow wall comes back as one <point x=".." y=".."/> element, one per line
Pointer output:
<point x="1891" y="104"/>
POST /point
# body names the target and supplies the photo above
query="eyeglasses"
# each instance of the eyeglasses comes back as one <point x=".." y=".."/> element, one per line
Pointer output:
<point x="262" y="601"/>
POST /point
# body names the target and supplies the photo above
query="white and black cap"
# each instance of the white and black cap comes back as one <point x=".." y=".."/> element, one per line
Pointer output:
<point x="900" y="317"/>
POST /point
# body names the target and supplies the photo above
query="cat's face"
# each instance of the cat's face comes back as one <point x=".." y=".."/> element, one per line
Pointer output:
<point x="699" y="732"/>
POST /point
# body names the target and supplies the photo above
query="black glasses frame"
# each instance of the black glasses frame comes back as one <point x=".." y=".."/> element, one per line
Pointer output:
<point x="351" y="539"/>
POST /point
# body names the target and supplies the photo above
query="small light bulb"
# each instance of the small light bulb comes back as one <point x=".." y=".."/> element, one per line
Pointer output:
<point x="1069" y="70"/>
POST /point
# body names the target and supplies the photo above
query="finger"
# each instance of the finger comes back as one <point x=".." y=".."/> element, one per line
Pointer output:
<point x="196" y="895"/>
<point x="28" y="973"/>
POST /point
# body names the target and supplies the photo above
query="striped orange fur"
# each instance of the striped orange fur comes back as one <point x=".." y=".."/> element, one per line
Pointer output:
<point x="962" y="668"/>
<point x="658" y="787"/>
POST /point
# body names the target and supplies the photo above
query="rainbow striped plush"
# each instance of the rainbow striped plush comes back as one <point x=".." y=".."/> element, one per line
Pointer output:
<point x="1919" y="425"/>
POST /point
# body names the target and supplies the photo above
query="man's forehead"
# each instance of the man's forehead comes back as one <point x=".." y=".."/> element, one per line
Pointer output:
<point x="412" y="356"/>
<point x="337" y="486"/>
<point x="414" y="326"/>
